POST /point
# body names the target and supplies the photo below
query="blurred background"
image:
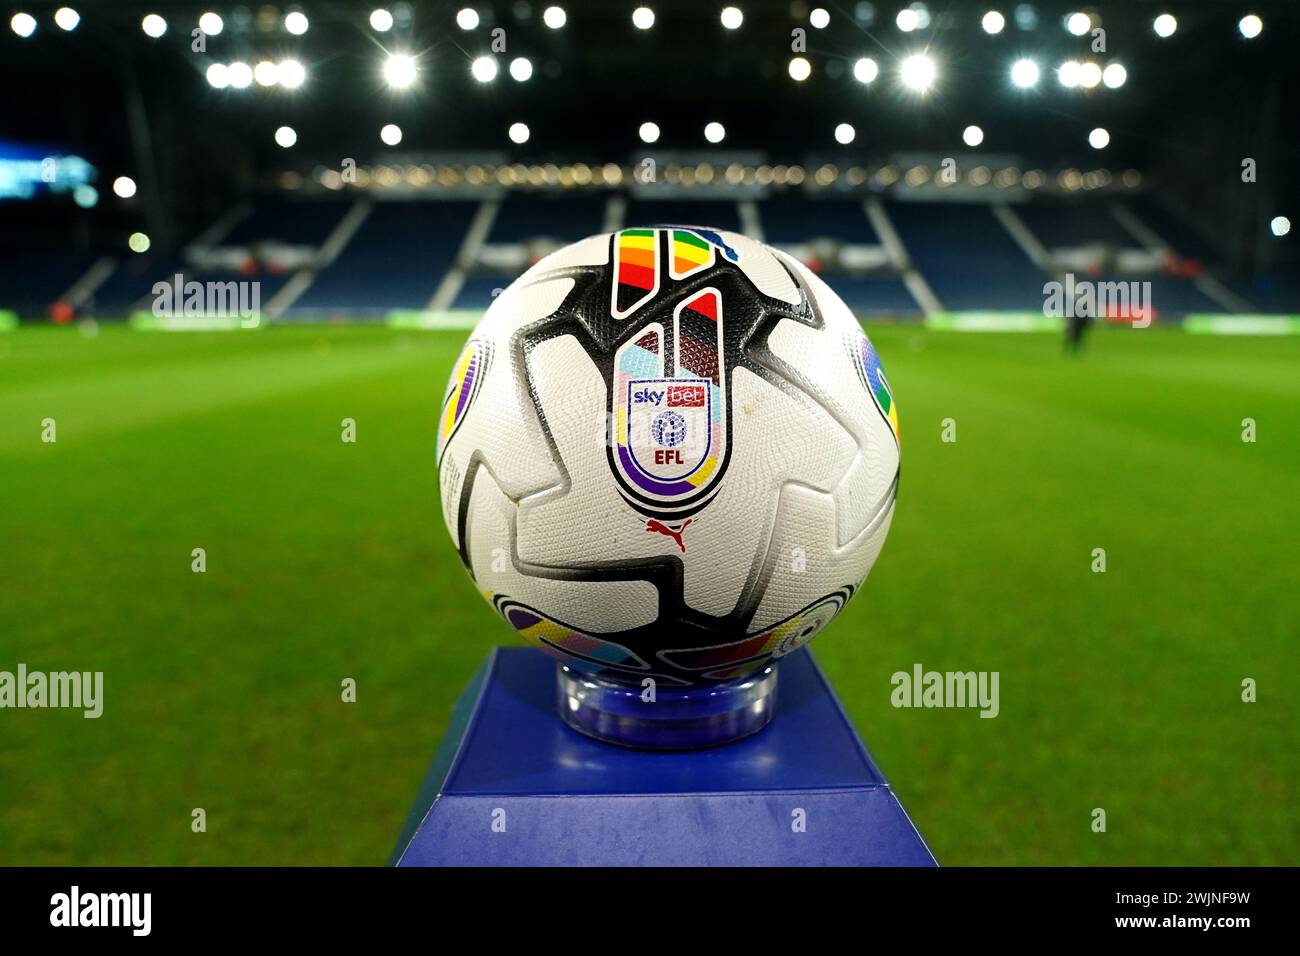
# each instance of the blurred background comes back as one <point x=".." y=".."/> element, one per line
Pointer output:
<point x="929" y="160"/>
<point x="371" y="175"/>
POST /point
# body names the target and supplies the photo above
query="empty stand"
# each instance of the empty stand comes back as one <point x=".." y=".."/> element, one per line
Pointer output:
<point x="395" y="261"/>
<point x="789" y="218"/>
<point x="718" y="214"/>
<point x="1061" y="224"/>
<point x="968" y="258"/>
<point x="290" y="223"/>
<point x="523" y="218"/>
<point x="30" y="282"/>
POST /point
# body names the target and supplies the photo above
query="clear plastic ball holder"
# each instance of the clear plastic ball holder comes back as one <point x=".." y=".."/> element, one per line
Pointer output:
<point x="670" y="718"/>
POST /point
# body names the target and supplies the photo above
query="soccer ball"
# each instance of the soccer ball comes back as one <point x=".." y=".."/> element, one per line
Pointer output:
<point x="668" y="452"/>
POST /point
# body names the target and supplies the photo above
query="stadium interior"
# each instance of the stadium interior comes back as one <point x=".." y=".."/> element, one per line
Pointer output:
<point x="1020" y="153"/>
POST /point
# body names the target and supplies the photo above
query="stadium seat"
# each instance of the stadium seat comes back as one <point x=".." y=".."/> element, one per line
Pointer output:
<point x="1060" y="224"/>
<point x="476" y="292"/>
<point x="720" y="214"/>
<point x="525" y="217"/>
<point x="967" y="256"/>
<point x="395" y="261"/>
<point x="289" y="222"/>
<point x="792" y="217"/>
<point x="31" y="282"/>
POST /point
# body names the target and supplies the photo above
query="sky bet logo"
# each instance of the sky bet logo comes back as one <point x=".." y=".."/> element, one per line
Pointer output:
<point x="690" y="395"/>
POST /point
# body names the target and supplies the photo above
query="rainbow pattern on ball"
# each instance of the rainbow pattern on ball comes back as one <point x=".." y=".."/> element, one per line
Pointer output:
<point x="691" y="253"/>
<point x="636" y="270"/>
<point x="725" y="661"/>
<point x="564" y="643"/>
<point x="873" y="377"/>
<point x="462" y="388"/>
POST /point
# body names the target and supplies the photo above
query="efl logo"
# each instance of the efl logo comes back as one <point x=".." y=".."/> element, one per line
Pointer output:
<point x="668" y="433"/>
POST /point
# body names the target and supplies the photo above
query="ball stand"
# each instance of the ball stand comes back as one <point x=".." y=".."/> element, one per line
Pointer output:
<point x="652" y="716"/>
<point x="513" y="786"/>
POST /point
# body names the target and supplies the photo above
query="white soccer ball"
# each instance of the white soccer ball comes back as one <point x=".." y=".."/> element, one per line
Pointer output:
<point x="668" y="452"/>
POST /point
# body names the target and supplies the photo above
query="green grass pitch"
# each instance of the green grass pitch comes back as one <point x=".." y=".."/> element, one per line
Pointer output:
<point x="328" y="560"/>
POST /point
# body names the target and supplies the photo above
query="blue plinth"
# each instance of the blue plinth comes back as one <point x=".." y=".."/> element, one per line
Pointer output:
<point x="513" y="786"/>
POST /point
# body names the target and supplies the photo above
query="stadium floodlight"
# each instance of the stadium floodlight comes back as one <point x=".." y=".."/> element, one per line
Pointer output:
<point x="907" y="20"/>
<point x="1250" y="26"/>
<point x="292" y="74"/>
<point x="124" y="187"/>
<point x="819" y="18"/>
<point x="67" y="18"/>
<point x="1279" y="226"/>
<point x="218" y="75"/>
<point x="1024" y="73"/>
<point x="918" y="72"/>
<point x="732" y="18"/>
<point x="1089" y="75"/>
<point x="844" y="134"/>
<point x="519" y="133"/>
<point x="1078" y="23"/>
<point x="296" y="22"/>
<point x="138" y="243"/>
<point x="467" y="18"/>
<point x="1070" y="73"/>
<point x="1165" y="25"/>
<point x="715" y="132"/>
<point x="800" y="69"/>
<point x="643" y="18"/>
<point x="1114" y="76"/>
<point x="211" y="24"/>
<point x="381" y="21"/>
<point x="993" y="22"/>
<point x="649" y="132"/>
<point x="555" y="17"/>
<point x="865" y="70"/>
<point x="972" y="136"/>
<point x="484" y="69"/>
<point x="286" y="136"/>
<point x="23" y="24"/>
<point x="153" y="26"/>
<point x="399" y="71"/>
<point x="391" y="134"/>
<point x="1099" y="138"/>
<point x="521" y="69"/>
<point x="266" y="73"/>
<point x="240" y="74"/>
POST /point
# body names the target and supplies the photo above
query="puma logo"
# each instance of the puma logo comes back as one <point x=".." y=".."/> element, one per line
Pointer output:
<point x="653" y="525"/>
<point x="708" y="235"/>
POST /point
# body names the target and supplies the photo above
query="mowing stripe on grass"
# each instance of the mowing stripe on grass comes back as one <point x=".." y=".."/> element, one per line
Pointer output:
<point x="424" y="319"/>
<point x="993" y="322"/>
<point x="1208" y="324"/>
<point x="148" y="322"/>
